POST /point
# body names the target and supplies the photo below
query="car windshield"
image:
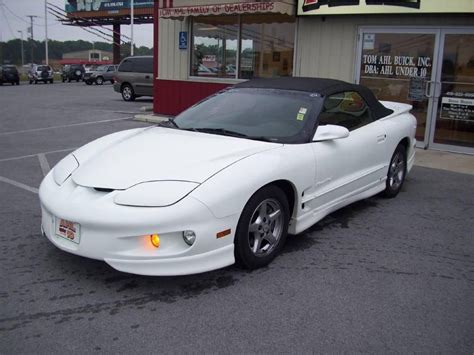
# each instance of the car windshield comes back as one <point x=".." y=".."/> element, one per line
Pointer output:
<point x="266" y="114"/>
<point x="102" y="68"/>
<point x="42" y="67"/>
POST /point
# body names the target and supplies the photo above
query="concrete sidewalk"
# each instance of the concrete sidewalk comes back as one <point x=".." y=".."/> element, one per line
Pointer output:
<point x="459" y="163"/>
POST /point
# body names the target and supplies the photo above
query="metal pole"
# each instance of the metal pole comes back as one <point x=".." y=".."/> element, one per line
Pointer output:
<point x="32" y="38"/>
<point x="22" y="52"/>
<point x="46" y="30"/>
<point x="132" y="15"/>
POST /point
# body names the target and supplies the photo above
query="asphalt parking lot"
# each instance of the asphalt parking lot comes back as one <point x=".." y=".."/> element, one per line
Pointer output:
<point x="378" y="276"/>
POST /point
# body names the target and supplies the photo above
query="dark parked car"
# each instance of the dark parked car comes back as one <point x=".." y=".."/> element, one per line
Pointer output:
<point x="100" y="75"/>
<point x="73" y="72"/>
<point x="9" y="74"/>
<point x="42" y="73"/>
<point x="134" y="77"/>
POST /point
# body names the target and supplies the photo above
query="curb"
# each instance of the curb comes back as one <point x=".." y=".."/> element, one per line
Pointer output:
<point x="150" y="118"/>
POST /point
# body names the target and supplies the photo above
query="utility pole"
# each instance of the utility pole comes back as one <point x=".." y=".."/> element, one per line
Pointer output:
<point x="46" y="30"/>
<point x="132" y="15"/>
<point x="32" y="37"/>
<point x="22" y="52"/>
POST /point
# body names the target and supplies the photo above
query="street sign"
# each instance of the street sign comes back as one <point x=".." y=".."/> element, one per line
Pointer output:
<point x="183" y="40"/>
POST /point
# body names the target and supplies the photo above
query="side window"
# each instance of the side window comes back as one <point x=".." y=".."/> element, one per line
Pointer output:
<point x="111" y="68"/>
<point x="144" y="65"/>
<point x="347" y="109"/>
<point x="126" y="66"/>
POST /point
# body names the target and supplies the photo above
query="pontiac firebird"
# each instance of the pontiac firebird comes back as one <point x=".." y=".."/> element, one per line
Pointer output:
<point x="226" y="180"/>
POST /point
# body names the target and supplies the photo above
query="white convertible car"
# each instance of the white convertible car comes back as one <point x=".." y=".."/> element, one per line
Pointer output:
<point x="229" y="178"/>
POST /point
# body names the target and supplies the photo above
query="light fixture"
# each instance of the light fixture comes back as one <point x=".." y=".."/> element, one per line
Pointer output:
<point x="189" y="237"/>
<point x="155" y="240"/>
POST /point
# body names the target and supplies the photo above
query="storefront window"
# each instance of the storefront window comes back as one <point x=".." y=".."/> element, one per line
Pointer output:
<point x="397" y="67"/>
<point x="214" y="51"/>
<point x="266" y="44"/>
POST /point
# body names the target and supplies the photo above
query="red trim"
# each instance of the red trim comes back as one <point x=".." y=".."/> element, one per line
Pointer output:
<point x="156" y="42"/>
<point x="173" y="96"/>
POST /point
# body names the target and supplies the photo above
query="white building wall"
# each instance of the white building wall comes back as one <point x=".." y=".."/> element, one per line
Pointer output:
<point x="172" y="61"/>
<point x="326" y="45"/>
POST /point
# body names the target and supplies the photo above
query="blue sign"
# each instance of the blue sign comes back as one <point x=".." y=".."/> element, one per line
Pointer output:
<point x="183" y="40"/>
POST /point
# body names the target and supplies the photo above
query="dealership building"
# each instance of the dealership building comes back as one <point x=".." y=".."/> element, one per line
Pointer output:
<point x="419" y="52"/>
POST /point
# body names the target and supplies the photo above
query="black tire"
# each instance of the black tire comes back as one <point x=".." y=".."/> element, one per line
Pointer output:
<point x="64" y="80"/>
<point x="77" y="80"/>
<point x="397" y="171"/>
<point x="69" y="80"/>
<point x="99" y="80"/>
<point x="52" y="81"/>
<point x="249" y="251"/>
<point x="13" y="83"/>
<point x="31" y="81"/>
<point x="128" y="94"/>
<point x="88" y="82"/>
<point x="18" y="82"/>
<point x="36" y="82"/>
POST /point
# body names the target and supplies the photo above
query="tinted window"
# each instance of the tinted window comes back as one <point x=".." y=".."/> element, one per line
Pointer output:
<point x="279" y="115"/>
<point x="347" y="109"/>
<point x="126" y="65"/>
<point x="143" y="65"/>
<point x="43" y="67"/>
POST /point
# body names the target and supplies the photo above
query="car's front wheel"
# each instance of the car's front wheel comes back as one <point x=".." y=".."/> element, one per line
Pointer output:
<point x="262" y="228"/>
<point x="397" y="172"/>
<point x="99" y="80"/>
<point x="127" y="93"/>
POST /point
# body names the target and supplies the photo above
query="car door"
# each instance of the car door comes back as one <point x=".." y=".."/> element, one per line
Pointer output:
<point x="143" y="68"/>
<point x="348" y="166"/>
<point x="109" y="73"/>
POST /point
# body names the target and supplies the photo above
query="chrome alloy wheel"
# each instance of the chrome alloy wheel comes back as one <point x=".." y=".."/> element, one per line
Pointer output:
<point x="127" y="93"/>
<point x="265" y="227"/>
<point x="397" y="171"/>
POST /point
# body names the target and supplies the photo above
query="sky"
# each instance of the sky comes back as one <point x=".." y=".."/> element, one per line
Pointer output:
<point x="11" y="24"/>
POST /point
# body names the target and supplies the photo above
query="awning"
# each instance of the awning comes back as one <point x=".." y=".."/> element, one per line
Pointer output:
<point x="263" y="7"/>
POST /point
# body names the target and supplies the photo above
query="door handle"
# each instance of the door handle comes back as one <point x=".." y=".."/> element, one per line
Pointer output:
<point x="147" y="77"/>
<point x="381" y="138"/>
<point x="428" y="88"/>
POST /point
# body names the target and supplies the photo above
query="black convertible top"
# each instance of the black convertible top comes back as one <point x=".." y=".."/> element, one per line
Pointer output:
<point x="323" y="87"/>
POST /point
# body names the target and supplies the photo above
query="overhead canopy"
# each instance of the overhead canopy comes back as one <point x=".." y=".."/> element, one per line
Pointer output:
<point x="230" y="8"/>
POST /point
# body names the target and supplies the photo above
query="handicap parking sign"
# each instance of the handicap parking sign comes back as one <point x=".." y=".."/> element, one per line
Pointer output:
<point x="183" y="40"/>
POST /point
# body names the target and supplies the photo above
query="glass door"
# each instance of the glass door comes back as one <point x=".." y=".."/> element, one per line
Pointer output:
<point x="453" y="93"/>
<point x="399" y="64"/>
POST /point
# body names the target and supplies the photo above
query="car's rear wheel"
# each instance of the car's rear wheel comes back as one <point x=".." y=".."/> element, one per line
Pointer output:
<point x="99" y="80"/>
<point x="127" y="93"/>
<point x="262" y="228"/>
<point x="397" y="172"/>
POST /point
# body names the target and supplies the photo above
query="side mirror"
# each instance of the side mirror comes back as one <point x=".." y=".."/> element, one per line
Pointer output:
<point x="330" y="132"/>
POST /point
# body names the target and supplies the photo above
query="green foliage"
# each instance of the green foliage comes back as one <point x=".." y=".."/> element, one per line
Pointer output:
<point x="10" y="52"/>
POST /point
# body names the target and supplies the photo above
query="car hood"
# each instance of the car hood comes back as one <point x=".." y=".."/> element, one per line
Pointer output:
<point x="159" y="154"/>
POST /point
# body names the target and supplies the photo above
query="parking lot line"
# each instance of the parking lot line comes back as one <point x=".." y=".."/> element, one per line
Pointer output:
<point x="36" y="154"/>
<point x="63" y="126"/>
<point x="19" y="184"/>
<point x="45" y="168"/>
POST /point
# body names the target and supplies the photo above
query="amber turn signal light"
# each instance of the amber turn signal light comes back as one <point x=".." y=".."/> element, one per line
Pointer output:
<point x="155" y="240"/>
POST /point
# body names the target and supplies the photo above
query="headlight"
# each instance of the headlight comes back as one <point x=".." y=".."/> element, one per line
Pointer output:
<point x="64" y="169"/>
<point x="155" y="193"/>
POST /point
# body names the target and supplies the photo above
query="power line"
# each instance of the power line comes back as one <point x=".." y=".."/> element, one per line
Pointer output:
<point x="6" y="20"/>
<point x="89" y="21"/>
<point x="26" y="21"/>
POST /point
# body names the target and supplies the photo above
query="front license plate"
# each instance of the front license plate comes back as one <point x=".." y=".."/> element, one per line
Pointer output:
<point x="68" y="230"/>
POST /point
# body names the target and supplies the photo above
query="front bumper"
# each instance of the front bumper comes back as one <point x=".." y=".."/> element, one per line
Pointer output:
<point x="118" y="234"/>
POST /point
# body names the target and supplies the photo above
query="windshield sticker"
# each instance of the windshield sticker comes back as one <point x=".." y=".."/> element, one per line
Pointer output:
<point x="303" y="110"/>
<point x="300" y="116"/>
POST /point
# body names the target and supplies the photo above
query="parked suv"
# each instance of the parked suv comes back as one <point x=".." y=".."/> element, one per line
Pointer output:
<point x="73" y="72"/>
<point x="9" y="74"/>
<point x="100" y="75"/>
<point x="134" y="77"/>
<point x="42" y="73"/>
